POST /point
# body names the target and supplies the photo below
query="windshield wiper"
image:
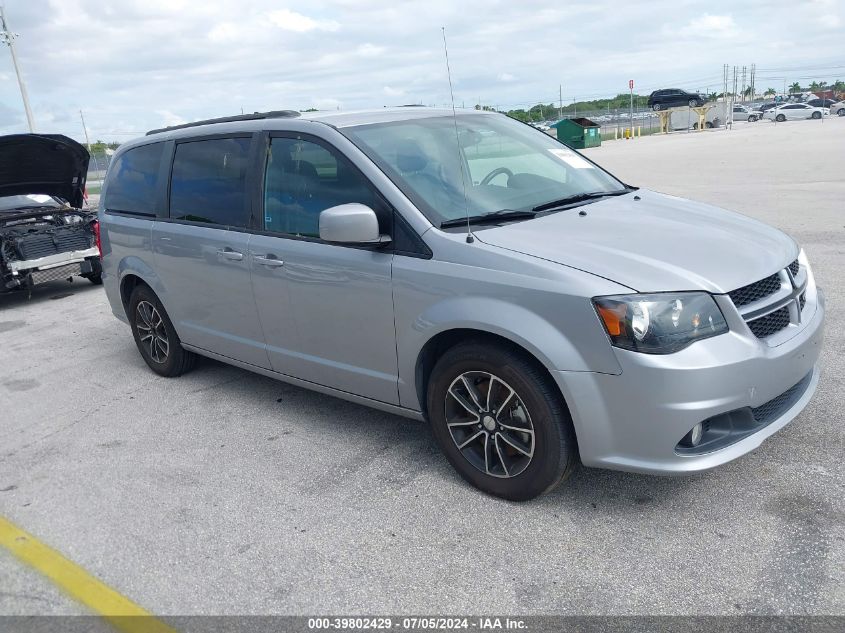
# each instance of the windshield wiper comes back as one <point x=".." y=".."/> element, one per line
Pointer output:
<point x="489" y="218"/>
<point x="578" y="197"/>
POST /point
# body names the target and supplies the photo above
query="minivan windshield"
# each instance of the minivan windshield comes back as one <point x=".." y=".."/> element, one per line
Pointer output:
<point x="508" y="166"/>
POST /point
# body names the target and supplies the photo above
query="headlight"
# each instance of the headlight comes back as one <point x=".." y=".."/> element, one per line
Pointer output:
<point x="660" y="323"/>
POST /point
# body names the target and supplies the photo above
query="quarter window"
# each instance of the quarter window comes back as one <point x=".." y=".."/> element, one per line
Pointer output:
<point x="209" y="182"/>
<point x="133" y="180"/>
<point x="304" y="178"/>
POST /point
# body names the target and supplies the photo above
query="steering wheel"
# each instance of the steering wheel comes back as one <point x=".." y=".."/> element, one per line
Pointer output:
<point x="499" y="170"/>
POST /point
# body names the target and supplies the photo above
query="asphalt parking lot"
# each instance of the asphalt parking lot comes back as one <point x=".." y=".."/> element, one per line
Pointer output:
<point x="229" y="493"/>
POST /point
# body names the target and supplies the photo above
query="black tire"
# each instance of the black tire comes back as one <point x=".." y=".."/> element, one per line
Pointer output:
<point x="693" y="103"/>
<point x="780" y="118"/>
<point x="752" y="118"/>
<point x="656" y="107"/>
<point x="177" y="360"/>
<point x="816" y="115"/>
<point x="840" y="112"/>
<point x="554" y="453"/>
<point x="95" y="278"/>
<point x="708" y="125"/>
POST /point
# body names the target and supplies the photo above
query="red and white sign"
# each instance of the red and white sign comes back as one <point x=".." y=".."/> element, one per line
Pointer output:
<point x="631" y="84"/>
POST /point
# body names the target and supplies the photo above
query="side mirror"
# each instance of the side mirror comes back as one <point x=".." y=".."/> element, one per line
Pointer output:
<point x="351" y="224"/>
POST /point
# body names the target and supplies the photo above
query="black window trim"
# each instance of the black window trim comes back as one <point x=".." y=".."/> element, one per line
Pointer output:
<point x="258" y="202"/>
<point x="248" y="184"/>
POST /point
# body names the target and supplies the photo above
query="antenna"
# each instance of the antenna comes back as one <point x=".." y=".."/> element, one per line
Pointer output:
<point x="470" y="238"/>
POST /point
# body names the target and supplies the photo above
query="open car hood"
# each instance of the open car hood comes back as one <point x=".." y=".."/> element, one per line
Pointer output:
<point x="49" y="164"/>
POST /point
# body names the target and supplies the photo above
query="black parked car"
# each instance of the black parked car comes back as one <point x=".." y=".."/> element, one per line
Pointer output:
<point x="674" y="98"/>
<point x="821" y="103"/>
<point x="45" y="233"/>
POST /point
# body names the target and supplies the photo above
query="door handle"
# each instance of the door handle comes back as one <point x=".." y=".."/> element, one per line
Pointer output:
<point x="270" y="262"/>
<point x="228" y="253"/>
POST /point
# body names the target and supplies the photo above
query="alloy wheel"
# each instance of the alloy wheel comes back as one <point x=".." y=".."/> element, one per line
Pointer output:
<point x="489" y="424"/>
<point x="151" y="331"/>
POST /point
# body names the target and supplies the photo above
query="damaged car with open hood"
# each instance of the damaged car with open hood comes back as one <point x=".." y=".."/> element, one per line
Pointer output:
<point x="46" y="234"/>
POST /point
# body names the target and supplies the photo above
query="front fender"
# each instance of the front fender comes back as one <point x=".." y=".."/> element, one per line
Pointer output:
<point x="571" y="341"/>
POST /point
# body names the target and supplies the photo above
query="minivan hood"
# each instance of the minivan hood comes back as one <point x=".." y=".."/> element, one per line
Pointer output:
<point x="657" y="243"/>
<point x="49" y="164"/>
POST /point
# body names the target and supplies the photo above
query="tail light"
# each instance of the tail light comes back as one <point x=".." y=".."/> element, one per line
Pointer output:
<point x="96" y="226"/>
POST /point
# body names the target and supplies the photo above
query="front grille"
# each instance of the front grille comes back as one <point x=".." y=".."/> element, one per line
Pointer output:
<point x="777" y="406"/>
<point x="44" y="244"/>
<point x="793" y="268"/>
<point x="757" y="290"/>
<point x="771" y="323"/>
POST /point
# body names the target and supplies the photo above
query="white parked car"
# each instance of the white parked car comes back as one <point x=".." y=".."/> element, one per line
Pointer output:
<point x="744" y="113"/>
<point x="795" y="111"/>
<point x="838" y="108"/>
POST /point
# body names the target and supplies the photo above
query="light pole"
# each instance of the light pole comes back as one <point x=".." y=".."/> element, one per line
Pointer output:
<point x="8" y="38"/>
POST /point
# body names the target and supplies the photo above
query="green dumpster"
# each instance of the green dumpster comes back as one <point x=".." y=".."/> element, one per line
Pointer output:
<point x="578" y="133"/>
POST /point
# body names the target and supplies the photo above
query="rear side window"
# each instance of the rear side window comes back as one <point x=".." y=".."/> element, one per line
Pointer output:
<point x="208" y="183"/>
<point x="133" y="180"/>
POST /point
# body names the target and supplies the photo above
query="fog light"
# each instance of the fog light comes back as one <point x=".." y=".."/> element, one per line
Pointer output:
<point x="693" y="438"/>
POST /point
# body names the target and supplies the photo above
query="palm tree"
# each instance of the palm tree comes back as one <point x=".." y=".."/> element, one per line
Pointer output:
<point x="796" y="87"/>
<point x="839" y="85"/>
<point x="770" y="92"/>
<point x="814" y="86"/>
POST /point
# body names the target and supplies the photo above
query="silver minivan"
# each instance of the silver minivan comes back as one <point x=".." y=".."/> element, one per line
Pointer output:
<point x="467" y="270"/>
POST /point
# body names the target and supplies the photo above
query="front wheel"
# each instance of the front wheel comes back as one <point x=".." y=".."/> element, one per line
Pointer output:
<point x="155" y="336"/>
<point x="95" y="278"/>
<point x="841" y="112"/>
<point x="752" y="118"/>
<point x="817" y="115"/>
<point x="693" y="103"/>
<point x="500" y="420"/>
<point x="656" y="107"/>
<point x="780" y="118"/>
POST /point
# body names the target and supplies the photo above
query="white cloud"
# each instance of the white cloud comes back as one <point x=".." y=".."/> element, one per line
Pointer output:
<point x="169" y="118"/>
<point x="327" y="104"/>
<point x="161" y="62"/>
<point x="369" y="50"/>
<point x="224" y="32"/>
<point x="710" y="26"/>
<point x="293" y="21"/>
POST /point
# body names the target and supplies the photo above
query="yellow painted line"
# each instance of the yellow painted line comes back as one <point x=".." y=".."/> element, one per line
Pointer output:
<point x="119" y="610"/>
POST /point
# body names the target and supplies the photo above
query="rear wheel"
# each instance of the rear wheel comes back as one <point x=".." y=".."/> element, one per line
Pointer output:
<point x="95" y="278"/>
<point x="155" y="336"/>
<point x="500" y="420"/>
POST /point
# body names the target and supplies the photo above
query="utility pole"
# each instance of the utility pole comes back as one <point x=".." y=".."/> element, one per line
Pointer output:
<point x="753" y="80"/>
<point x="85" y="129"/>
<point x="559" y="102"/>
<point x="7" y="37"/>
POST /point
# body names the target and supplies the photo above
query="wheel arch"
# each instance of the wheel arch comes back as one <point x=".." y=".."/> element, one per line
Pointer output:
<point x="445" y="340"/>
<point x="133" y="271"/>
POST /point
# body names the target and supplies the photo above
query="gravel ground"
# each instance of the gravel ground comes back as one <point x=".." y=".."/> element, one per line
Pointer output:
<point x="226" y="492"/>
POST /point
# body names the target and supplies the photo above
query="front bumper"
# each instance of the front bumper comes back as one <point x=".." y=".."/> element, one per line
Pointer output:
<point x="633" y="421"/>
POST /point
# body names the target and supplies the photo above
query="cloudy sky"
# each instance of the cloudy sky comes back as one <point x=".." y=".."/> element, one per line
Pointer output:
<point x="131" y="65"/>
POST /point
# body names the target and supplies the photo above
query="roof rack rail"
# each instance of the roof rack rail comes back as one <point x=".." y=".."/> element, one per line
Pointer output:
<point x="273" y="114"/>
